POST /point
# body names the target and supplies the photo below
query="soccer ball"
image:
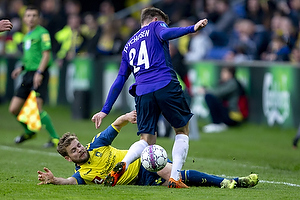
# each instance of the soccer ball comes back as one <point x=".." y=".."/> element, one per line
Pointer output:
<point x="154" y="158"/>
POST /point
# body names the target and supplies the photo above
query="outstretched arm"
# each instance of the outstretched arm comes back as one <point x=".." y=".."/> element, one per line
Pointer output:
<point x="124" y="119"/>
<point x="48" y="178"/>
<point x="176" y="32"/>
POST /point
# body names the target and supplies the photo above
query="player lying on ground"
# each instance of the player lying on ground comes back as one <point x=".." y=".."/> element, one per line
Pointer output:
<point x="96" y="160"/>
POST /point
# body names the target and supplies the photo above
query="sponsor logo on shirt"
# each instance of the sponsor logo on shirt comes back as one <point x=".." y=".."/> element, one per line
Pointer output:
<point x="45" y="37"/>
<point x="97" y="180"/>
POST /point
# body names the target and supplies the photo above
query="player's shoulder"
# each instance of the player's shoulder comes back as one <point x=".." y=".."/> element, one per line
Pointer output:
<point x="42" y="29"/>
<point x="159" y="23"/>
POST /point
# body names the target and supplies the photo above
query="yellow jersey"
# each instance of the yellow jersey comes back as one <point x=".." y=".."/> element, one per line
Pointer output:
<point x="103" y="158"/>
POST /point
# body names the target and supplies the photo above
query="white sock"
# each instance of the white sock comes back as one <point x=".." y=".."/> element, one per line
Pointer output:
<point x="134" y="152"/>
<point x="179" y="153"/>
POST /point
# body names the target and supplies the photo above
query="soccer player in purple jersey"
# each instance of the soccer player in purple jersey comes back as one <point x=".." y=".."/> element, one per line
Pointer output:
<point x="156" y="90"/>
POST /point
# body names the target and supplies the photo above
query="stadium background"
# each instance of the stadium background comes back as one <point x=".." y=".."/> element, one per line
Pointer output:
<point x="83" y="79"/>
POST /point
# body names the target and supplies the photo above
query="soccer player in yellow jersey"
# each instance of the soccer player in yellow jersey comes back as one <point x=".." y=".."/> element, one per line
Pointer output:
<point x="96" y="160"/>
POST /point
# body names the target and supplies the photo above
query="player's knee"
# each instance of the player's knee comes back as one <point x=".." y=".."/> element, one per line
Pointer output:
<point x="183" y="130"/>
<point x="150" y="139"/>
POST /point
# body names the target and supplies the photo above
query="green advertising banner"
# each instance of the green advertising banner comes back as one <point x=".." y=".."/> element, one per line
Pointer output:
<point x="243" y="75"/>
<point x="53" y="84"/>
<point x="278" y="85"/>
<point x="204" y="74"/>
<point x="3" y="76"/>
<point x="83" y="71"/>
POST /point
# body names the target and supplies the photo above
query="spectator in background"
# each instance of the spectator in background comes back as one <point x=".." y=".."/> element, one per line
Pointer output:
<point x="71" y="7"/>
<point x="106" y="12"/>
<point x="176" y="10"/>
<point x="221" y="28"/>
<point x="109" y="41"/>
<point x="278" y="50"/>
<point x="70" y="39"/>
<point x="288" y="31"/>
<point x="223" y="102"/>
<point x="52" y="19"/>
<point x="254" y="11"/>
<point x="199" y="45"/>
<point x="241" y="43"/>
<point x="129" y="27"/>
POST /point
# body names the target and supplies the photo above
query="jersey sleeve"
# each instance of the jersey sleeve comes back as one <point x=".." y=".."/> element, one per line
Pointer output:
<point x="165" y="33"/>
<point x="104" y="138"/>
<point x="45" y="41"/>
<point x="79" y="179"/>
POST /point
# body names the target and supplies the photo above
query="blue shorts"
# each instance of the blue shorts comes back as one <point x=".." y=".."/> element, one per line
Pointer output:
<point x="168" y="101"/>
<point x="147" y="178"/>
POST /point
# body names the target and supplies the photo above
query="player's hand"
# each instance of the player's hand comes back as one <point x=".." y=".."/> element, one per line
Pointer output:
<point x="37" y="80"/>
<point x="16" y="72"/>
<point x="45" y="177"/>
<point x="5" y="25"/>
<point x="131" y="117"/>
<point x="201" y="24"/>
<point x="97" y="118"/>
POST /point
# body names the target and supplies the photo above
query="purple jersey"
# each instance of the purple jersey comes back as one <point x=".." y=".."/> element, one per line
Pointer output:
<point x="146" y="55"/>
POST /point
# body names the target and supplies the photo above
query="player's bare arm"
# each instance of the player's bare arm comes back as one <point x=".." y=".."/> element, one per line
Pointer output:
<point x="16" y="72"/>
<point x="5" y="25"/>
<point x="200" y="24"/>
<point x="97" y="118"/>
<point x="47" y="177"/>
<point x="124" y="119"/>
<point x="38" y="76"/>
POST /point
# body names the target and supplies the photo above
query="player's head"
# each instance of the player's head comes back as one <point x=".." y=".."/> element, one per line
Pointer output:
<point x="31" y="16"/>
<point x="72" y="150"/>
<point x="148" y="14"/>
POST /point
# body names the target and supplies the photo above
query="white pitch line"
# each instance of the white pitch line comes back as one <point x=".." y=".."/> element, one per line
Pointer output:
<point x="8" y="148"/>
<point x="56" y="154"/>
<point x="280" y="183"/>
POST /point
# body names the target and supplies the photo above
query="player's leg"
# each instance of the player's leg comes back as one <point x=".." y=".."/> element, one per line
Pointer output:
<point x="147" y="117"/>
<point x="176" y="110"/>
<point x="46" y="121"/>
<point x="296" y="138"/>
<point x="179" y="152"/>
<point x="14" y="108"/>
<point x="17" y="102"/>
<point x="196" y="178"/>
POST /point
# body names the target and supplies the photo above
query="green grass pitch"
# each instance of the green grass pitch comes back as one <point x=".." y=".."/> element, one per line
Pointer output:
<point x="236" y="152"/>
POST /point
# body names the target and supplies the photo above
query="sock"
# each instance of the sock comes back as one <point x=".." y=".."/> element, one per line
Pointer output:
<point x="179" y="153"/>
<point x="46" y="121"/>
<point x="134" y="152"/>
<point x="26" y="130"/>
<point x="196" y="178"/>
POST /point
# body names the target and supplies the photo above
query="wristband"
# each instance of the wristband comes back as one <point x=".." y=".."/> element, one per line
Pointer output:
<point x="39" y="71"/>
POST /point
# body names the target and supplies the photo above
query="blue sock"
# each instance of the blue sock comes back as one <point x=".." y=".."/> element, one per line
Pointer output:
<point x="196" y="178"/>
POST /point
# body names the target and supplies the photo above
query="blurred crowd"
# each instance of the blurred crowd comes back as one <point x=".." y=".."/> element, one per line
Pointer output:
<point x="238" y="30"/>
